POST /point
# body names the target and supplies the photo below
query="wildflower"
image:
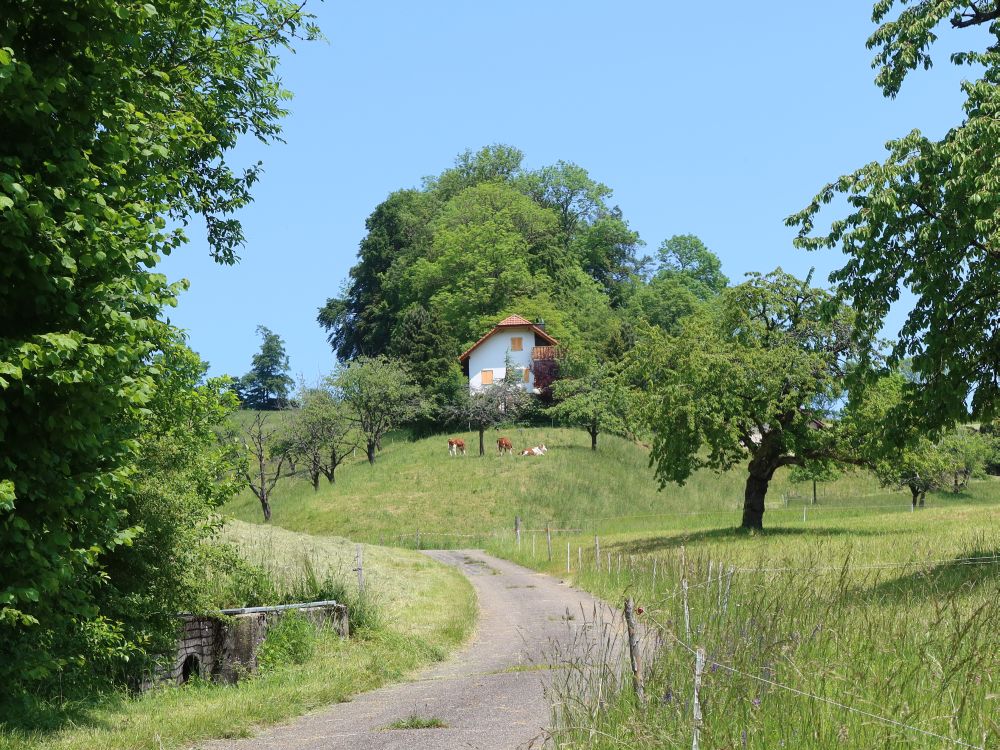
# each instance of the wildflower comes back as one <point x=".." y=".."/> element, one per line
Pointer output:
<point x="639" y="610"/>
<point x="756" y="702"/>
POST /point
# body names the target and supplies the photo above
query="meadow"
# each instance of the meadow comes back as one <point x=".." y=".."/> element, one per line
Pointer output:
<point x="855" y="622"/>
<point x="417" y="487"/>
<point x="417" y="612"/>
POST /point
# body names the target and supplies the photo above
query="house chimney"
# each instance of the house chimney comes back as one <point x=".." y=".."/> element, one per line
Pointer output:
<point x="540" y="324"/>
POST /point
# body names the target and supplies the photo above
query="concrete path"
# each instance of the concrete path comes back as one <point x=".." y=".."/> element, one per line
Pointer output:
<point x="491" y="693"/>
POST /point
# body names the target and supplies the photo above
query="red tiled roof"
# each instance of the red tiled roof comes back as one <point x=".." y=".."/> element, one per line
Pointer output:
<point x="514" y="320"/>
<point x="509" y="322"/>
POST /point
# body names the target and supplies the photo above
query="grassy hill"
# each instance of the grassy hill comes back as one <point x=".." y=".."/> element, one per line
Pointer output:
<point x="839" y="612"/>
<point x="417" y="486"/>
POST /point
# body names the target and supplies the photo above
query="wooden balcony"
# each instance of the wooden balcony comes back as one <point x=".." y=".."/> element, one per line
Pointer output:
<point x="544" y="352"/>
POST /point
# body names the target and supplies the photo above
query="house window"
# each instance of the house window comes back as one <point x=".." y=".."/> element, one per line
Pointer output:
<point x="487" y="378"/>
<point x="517" y="344"/>
<point x="527" y="375"/>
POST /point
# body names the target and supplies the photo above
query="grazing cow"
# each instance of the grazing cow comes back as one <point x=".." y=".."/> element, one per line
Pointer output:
<point x="504" y="445"/>
<point x="456" y="446"/>
<point x="538" y="450"/>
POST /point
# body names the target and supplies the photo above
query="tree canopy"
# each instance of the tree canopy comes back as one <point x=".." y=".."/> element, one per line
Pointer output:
<point x="750" y="378"/>
<point x="927" y="219"/>
<point x="482" y="239"/>
<point x="117" y="121"/>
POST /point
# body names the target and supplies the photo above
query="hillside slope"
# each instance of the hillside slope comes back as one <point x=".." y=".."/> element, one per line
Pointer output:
<point x="417" y="486"/>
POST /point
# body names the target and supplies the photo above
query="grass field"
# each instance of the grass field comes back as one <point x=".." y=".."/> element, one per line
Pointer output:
<point x="805" y="626"/>
<point x="416" y="486"/>
<point x="426" y="609"/>
<point x="839" y="619"/>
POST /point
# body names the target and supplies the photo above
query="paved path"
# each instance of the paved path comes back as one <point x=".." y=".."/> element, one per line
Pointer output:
<point x="490" y="693"/>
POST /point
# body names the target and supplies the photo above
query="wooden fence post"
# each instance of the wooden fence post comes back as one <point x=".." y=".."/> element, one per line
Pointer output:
<point x="517" y="530"/>
<point x="359" y="564"/>
<point x="548" y="540"/>
<point x="654" y="573"/>
<point x="633" y="648"/>
<point x="418" y="538"/>
<point x="687" y="612"/>
<point x="699" y="668"/>
<point x="597" y="553"/>
<point x="579" y="558"/>
<point x="567" y="557"/>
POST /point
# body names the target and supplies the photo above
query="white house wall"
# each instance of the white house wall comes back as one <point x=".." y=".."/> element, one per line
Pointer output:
<point x="492" y="354"/>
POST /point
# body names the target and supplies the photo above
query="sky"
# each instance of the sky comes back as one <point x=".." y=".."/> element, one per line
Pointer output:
<point x="717" y="120"/>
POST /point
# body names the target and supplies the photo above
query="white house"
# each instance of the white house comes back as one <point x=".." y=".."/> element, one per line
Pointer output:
<point x="526" y="345"/>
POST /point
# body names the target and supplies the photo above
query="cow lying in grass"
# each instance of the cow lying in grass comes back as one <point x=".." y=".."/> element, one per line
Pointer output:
<point x="456" y="445"/>
<point x="538" y="450"/>
<point x="505" y="446"/>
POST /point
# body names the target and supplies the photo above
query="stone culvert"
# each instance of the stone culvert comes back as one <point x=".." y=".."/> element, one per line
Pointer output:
<point x="224" y="648"/>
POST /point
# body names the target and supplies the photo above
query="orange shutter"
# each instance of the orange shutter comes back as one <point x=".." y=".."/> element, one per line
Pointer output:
<point x="487" y="377"/>
<point x="516" y="344"/>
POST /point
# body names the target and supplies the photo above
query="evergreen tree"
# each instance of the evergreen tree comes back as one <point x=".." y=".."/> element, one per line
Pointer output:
<point x="267" y="385"/>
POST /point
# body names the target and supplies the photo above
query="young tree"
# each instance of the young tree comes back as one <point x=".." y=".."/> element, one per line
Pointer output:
<point x="265" y="454"/>
<point x="379" y="395"/>
<point x="903" y="456"/>
<point x="928" y="219"/>
<point x="320" y="434"/>
<point x="268" y="383"/>
<point x="115" y="134"/>
<point x="503" y="401"/>
<point x="748" y="378"/>
<point x="596" y="400"/>
<point x="815" y="472"/>
<point x="967" y="451"/>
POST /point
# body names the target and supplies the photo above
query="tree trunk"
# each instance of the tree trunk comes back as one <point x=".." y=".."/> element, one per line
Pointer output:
<point x="814" y="492"/>
<point x="371" y="451"/>
<point x="331" y="475"/>
<point x="482" y="450"/>
<point x="593" y="438"/>
<point x="922" y="496"/>
<point x="265" y="506"/>
<point x="753" y="501"/>
<point x="916" y="494"/>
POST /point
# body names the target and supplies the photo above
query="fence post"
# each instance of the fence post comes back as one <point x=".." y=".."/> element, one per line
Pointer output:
<point x="699" y="667"/>
<point x="654" y="573"/>
<point x="633" y="648"/>
<point x="418" y="538"/>
<point x="359" y="564"/>
<point x="579" y="558"/>
<point x="532" y="545"/>
<point x="687" y="612"/>
<point x="517" y="530"/>
<point x="803" y="514"/>
<point x="567" y="557"/>
<point x="548" y="540"/>
<point x="597" y="553"/>
<point x="609" y="563"/>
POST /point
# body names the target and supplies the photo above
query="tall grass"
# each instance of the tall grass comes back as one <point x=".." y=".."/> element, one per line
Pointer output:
<point x="810" y="632"/>
<point x="424" y="610"/>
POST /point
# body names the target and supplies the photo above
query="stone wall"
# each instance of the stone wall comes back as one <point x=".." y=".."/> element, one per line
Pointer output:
<point x="224" y="648"/>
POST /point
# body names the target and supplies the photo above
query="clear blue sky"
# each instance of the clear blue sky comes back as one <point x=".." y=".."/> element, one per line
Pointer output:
<point x="718" y="121"/>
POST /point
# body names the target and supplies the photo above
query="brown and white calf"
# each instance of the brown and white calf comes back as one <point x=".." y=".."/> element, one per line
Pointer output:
<point x="505" y="446"/>
<point x="538" y="450"/>
<point x="456" y="446"/>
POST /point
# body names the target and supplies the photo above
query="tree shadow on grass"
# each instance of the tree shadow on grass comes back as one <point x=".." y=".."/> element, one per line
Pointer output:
<point x="39" y="717"/>
<point x="966" y="572"/>
<point x="673" y="541"/>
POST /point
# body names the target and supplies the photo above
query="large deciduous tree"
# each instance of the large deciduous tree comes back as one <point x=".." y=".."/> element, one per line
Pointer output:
<point x="928" y="220"/>
<point x="379" y="394"/>
<point x="748" y="379"/>
<point x="116" y="123"/>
